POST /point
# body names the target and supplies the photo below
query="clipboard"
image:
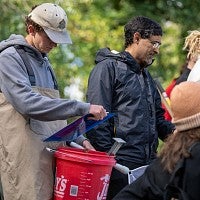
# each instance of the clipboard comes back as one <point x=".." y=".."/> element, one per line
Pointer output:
<point x="76" y="128"/>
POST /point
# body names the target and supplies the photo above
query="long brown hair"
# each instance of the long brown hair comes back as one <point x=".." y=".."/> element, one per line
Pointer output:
<point x="176" y="147"/>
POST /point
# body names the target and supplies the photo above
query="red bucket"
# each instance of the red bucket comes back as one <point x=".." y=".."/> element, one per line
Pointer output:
<point x="82" y="175"/>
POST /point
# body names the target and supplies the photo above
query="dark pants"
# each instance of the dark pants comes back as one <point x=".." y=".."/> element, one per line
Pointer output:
<point x="118" y="180"/>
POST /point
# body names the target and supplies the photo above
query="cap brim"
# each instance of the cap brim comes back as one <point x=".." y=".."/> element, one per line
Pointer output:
<point x="61" y="37"/>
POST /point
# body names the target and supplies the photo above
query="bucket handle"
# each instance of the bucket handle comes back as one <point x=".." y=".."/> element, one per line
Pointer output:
<point x="75" y="156"/>
<point x="68" y="155"/>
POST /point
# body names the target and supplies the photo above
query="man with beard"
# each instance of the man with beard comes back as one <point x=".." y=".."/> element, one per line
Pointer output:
<point x="120" y="82"/>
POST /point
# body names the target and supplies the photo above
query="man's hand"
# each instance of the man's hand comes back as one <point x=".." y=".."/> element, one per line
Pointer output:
<point x="98" y="112"/>
<point x="86" y="144"/>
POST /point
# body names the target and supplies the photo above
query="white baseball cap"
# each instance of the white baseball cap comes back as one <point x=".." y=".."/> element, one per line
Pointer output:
<point x="53" y="19"/>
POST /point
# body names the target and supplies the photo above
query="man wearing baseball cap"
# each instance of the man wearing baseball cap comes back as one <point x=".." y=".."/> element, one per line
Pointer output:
<point x="30" y="107"/>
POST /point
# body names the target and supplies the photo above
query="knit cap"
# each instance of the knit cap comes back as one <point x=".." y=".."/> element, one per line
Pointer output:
<point x="185" y="105"/>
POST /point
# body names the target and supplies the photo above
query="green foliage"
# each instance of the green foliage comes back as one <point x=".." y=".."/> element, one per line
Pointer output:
<point x="95" y="24"/>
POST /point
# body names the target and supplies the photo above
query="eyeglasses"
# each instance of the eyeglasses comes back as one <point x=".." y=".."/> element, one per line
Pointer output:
<point x="155" y="44"/>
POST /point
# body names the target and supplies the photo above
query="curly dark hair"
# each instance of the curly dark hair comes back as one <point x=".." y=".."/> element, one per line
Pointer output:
<point x="143" y="25"/>
<point x="29" y="21"/>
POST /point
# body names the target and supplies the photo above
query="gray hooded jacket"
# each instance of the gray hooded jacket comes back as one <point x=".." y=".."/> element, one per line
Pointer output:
<point x="16" y="86"/>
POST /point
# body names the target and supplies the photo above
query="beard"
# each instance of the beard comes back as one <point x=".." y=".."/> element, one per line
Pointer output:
<point x="148" y="63"/>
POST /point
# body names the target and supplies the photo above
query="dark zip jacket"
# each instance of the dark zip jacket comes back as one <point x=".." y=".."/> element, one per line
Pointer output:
<point x="118" y="83"/>
<point x="151" y="185"/>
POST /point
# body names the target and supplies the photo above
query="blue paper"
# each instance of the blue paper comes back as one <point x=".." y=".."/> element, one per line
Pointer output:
<point x="76" y="128"/>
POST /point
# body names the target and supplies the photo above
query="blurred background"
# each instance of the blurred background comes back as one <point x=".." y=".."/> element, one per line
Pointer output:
<point x="95" y="24"/>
